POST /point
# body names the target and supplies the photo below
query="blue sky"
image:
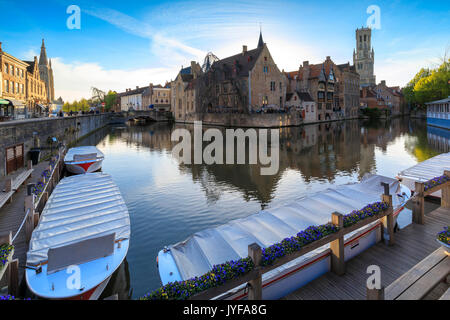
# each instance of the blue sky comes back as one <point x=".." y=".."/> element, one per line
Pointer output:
<point x="123" y="44"/>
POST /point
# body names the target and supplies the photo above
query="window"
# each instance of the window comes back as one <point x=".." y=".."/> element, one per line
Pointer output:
<point x="365" y="37"/>
<point x="272" y="85"/>
<point x="7" y="86"/>
<point x="6" y="68"/>
<point x="281" y="86"/>
<point x="265" y="69"/>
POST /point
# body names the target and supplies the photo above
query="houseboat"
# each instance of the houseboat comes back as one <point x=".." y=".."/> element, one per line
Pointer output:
<point x="82" y="160"/>
<point x="82" y="238"/>
<point x="424" y="171"/>
<point x="438" y="113"/>
<point x="199" y="253"/>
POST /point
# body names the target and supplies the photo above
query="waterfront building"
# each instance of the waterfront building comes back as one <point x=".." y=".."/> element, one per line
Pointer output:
<point x="392" y="96"/>
<point x="46" y="74"/>
<point x="304" y="103"/>
<point x="36" y="89"/>
<point x="247" y="82"/>
<point x="372" y="100"/>
<point x="364" y="57"/>
<point x="184" y="93"/>
<point x="13" y="94"/>
<point x="157" y="97"/>
<point x="347" y="86"/>
<point x="438" y="113"/>
<point x="131" y="100"/>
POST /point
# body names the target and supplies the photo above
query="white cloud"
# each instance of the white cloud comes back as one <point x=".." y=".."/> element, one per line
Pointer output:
<point x="75" y="80"/>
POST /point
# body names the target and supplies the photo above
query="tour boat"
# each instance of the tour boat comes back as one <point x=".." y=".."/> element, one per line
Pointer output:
<point x="424" y="171"/>
<point x="200" y="252"/>
<point x="81" y="160"/>
<point x="82" y="238"/>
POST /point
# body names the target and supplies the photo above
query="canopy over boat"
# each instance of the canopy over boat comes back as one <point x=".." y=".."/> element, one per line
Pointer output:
<point x="81" y="208"/>
<point x="199" y="253"/>
<point x="83" y="151"/>
<point x="427" y="169"/>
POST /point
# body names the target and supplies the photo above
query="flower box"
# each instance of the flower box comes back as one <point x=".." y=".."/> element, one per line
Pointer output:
<point x="443" y="238"/>
<point x="6" y="254"/>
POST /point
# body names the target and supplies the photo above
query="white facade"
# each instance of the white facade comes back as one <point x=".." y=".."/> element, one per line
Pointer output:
<point x="132" y="101"/>
<point x="307" y="108"/>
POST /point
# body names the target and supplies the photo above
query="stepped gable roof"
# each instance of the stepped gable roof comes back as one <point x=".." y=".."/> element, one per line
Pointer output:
<point x="244" y="62"/>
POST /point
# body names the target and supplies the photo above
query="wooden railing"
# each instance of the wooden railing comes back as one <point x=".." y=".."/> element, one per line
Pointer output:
<point x="418" y="217"/>
<point x="31" y="219"/>
<point x="419" y="198"/>
<point x="336" y="241"/>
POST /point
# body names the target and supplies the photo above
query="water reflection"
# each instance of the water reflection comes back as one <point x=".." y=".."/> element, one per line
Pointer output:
<point x="169" y="201"/>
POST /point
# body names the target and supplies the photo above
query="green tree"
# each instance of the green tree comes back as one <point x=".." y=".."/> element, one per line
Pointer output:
<point x="110" y="100"/>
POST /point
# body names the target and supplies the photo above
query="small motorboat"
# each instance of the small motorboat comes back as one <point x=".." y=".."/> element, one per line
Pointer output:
<point x="82" y="238"/>
<point x="82" y="160"/>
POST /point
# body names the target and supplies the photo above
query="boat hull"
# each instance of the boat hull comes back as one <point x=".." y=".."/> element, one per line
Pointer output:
<point x="94" y="277"/>
<point x="84" y="167"/>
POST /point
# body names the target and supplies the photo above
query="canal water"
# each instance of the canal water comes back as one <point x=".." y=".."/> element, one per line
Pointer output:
<point x="169" y="201"/>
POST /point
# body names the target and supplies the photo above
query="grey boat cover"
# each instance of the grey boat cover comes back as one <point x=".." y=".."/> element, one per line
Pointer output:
<point x="428" y="169"/>
<point x="85" y="150"/>
<point x="81" y="207"/>
<point x="200" y="252"/>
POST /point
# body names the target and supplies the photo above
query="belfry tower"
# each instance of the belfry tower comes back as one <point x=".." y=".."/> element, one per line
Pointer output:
<point x="364" y="57"/>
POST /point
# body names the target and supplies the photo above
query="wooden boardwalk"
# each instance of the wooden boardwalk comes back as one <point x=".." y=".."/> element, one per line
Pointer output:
<point x="12" y="215"/>
<point x="412" y="244"/>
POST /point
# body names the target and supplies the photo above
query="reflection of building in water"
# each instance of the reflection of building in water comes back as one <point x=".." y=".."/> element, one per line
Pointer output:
<point x="438" y="139"/>
<point x="317" y="151"/>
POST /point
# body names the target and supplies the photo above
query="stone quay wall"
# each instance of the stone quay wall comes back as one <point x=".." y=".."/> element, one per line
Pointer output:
<point x="37" y="133"/>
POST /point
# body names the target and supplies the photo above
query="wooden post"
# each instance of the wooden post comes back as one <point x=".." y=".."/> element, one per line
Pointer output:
<point x="388" y="220"/>
<point x="29" y="222"/>
<point x="419" y="204"/>
<point x="255" y="291"/>
<point x="8" y="184"/>
<point x="445" y="197"/>
<point x="337" y="246"/>
<point x="375" y="294"/>
<point x="6" y="238"/>
<point x="29" y="165"/>
<point x="13" y="277"/>
<point x="45" y="197"/>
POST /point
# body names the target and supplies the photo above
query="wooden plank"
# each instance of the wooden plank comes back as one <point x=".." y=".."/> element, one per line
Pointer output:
<point x="399" y="286"/>
<point x="337" y="246"/>
<point x="426" y="283"/>
<point x="446" y="295"/>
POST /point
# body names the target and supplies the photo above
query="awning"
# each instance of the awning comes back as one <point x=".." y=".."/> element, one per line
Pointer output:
<point x="17" y="103"/>
<point x="5" y="102"/>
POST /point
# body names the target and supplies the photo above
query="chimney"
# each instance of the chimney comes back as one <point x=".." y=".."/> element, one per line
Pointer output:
<point x="192" y="69"/>
<point x="305" y="63"/>
<point x="244" y="50"/>
<point x="137" y="87"/>
<point x="383" y="82"/>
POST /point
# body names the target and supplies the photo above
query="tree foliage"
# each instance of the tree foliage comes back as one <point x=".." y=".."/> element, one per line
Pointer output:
<point x="429" y="85"/>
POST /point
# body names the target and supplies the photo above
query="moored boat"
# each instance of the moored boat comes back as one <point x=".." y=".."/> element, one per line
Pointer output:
<point x="85" y="159"/>
<point x="82" y="238"/>
<point x="199" y="253"/>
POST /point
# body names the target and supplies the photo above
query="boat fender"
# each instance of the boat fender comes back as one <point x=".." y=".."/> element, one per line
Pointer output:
<point x="157" y="262"/>
<point x="166" y="249"/>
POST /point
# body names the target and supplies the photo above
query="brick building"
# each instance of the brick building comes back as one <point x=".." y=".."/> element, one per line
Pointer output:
<point x="157" y="96"/>
<point x="37" y="98"/>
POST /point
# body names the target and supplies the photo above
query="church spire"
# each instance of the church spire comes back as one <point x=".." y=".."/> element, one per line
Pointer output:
<point x="43" y="58"/>
<point x="260" y="42"/>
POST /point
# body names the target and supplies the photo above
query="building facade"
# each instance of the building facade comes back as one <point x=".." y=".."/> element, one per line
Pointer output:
<point x="348" y="90"/>
<point x="37" y="98"/>
<point x="157" y="97"/>
<point x="392" y="97"/>
<point x="364" y="57"/>
<point x="247" y="82"/>
<point x="131" y="100"/>
<point x="14" y="72"/>
<point x="184" y="92"/>
<point x="303" y="103"/>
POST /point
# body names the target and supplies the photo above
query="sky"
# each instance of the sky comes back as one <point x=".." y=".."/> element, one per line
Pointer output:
<point x="124" y="44"/>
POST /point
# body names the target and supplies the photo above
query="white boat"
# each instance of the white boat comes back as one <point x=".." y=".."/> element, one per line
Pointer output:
<point x="82" y="238"/>
<point x="200" y="252"/>
<point x="424" y="171"/>
<point x="82" y="160"/>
